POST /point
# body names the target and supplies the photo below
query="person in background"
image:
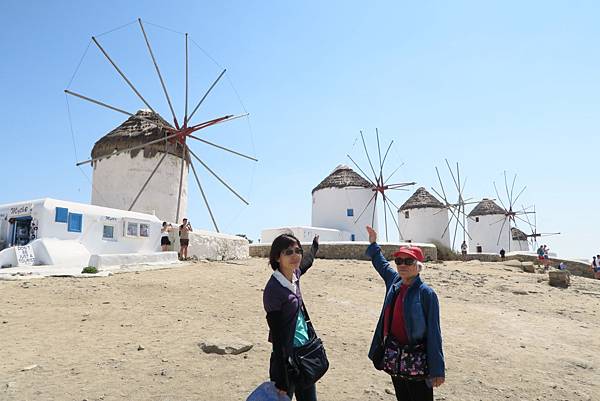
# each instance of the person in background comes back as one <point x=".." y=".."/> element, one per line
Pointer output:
<point x="282" y="300"/>
<point x="463" y="249"/>
<point x="184" y="238"/>
<point x="502" y="253"/>
<point x="415" y="318"/>
<point x="164" y="236"/>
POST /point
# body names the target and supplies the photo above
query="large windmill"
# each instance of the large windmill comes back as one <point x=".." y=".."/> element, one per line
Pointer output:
<point x="176" y="137"/>
<point x="511" y="215"/>
<point x="457" y="209"/>
<point x="381" y="184"/>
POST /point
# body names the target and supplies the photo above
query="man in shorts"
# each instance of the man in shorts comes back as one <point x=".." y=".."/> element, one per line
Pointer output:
<point x="184" y="238"/>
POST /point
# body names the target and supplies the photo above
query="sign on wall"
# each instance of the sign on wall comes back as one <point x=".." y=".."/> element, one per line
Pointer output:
<point x="23" y="210"/>
<point x="25" y="255"/>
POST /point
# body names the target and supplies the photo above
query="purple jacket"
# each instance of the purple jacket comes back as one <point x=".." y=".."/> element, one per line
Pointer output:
<point x="282" y="307"/>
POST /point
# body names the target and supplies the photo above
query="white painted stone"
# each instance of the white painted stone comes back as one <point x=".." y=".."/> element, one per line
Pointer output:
<point x="118" y="179"/>
<point x="53" y="251"/>
<point x="214" y="246"/>
<point x="111" y="260"/>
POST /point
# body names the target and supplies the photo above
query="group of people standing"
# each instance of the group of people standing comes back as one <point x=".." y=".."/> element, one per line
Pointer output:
<point x="184" y="237"/>
<point x="542" y="253"/>
<point x="407" y="342"/>
<point x="596" y="266"/>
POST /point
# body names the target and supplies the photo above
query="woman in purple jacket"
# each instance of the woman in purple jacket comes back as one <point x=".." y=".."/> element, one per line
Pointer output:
<point x="282" y="300"/>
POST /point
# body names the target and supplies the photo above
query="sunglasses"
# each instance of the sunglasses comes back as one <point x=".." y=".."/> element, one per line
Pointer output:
<point x="405" y="261"/>
<point x="291" y="251"/>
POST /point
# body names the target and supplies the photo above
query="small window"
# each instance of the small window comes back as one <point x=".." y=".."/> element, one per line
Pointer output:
<point x="476" y="219"/>
<point x="352" y="237"/>
<point x="62" y="215"/>
<point x="349" y="212"/>
<point x="144" y="230"/>
<point x="108" y="232"/>
<point x="74" y="223"/>
<point x="406" y="214"/>
<point x="132" y="229"/>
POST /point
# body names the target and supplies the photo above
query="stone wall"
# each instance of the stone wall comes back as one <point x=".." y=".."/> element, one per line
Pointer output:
<point x="574" y="267"/>
<point x="211" y="245"/>
<point x="346" y="250"/>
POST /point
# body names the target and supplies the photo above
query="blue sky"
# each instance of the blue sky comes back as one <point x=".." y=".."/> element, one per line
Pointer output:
<point x="493" y="85"/>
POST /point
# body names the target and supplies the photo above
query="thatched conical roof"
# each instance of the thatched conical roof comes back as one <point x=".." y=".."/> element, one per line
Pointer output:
<point x="486" y="207"/>
<point x="341" y="177"/>
<point x="135" y="132"/>
<point x="421" y="199"/>
<point x="518" y="235"/>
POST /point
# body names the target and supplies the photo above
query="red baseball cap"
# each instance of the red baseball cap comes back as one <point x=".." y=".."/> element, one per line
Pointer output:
<point x="410" y="251"/>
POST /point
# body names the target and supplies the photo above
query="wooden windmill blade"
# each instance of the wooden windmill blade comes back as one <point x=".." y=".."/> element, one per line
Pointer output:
<point x="457" y="209"/>
<point x="379" y="183"/>
<point x="174" y="136"/>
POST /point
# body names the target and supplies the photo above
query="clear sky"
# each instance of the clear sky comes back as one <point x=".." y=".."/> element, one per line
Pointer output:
<point x="496" y="86"/>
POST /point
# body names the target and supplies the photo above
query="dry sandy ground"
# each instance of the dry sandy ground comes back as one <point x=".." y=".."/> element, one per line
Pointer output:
<point x="508" y="335"/>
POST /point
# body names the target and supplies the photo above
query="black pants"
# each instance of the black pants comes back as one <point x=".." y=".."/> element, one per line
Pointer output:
<point x="306" y="394"/>
<point x="412" y="390"/>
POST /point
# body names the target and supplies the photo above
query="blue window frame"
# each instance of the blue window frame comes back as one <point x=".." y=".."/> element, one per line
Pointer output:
<point x="62" y="215"/>
<point x="74" y="224"/>
<point x="349" y="212"/>
<point x="353" y="237"/>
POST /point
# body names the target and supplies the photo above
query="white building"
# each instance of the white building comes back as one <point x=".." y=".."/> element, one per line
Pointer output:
<point x="341" y="202"/>
<point x="485" y="226"/>
<point x="423" y="218"/>
<point x="118" y="179"/>
<point x="64" y="232"/>
<point x="305" y="234"/>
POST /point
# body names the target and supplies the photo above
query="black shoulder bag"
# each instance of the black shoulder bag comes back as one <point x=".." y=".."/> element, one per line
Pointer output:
<point x="309" y="361"/>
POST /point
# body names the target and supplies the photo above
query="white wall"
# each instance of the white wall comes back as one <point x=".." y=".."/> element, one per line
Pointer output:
<point x="330" y="205"/>
<point x="118" y="179"/>
<point x="518" y="246"/>
<point x="305" y="234"/>
<point x="485" y="233"/>
<point x="426" y="225"/>
<point x="94" y="218"/>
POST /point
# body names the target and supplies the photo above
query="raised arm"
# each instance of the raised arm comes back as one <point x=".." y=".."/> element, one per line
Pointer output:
<point x="309" y="257"/>
<point x="381" y="265"/>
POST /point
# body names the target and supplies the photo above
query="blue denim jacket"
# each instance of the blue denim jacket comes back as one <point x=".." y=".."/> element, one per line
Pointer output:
<point x="421" y="314"/>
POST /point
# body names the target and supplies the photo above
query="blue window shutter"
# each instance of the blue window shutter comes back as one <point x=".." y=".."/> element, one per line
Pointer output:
<point x="350" y="212"/>
<point x="75" y="220"/>
<point x="62" y="215"/>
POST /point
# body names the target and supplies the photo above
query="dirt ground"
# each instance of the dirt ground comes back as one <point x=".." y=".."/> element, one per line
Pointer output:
<point x="507" y="335"/>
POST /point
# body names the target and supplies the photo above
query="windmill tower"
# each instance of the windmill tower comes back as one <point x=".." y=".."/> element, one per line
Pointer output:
<point x="337" y="200"/>
<point x="118" y="178"/>
<point x="143" y="164"/>
<point x="422" y="218"/>
<point x="514" y="238"/>
<point x="484" y="238"/>
<point x="381" y="187"/>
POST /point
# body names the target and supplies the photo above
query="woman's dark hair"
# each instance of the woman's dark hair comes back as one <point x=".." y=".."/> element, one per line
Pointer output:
<point x="164" y="223"/>
<point x="280" y="244"/>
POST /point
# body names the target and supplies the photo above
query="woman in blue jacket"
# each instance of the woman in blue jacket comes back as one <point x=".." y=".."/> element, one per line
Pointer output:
<point x="415" y="318"/>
